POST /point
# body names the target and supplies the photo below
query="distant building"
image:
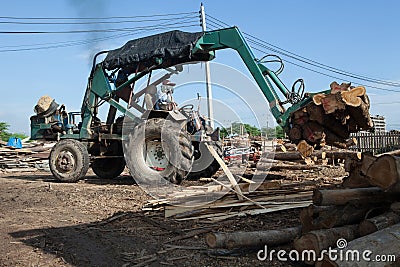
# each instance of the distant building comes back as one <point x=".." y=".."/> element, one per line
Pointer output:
<point x="379" y="123"/>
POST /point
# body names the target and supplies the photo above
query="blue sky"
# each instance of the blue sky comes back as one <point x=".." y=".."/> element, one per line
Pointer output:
<point x="356" y="36"/>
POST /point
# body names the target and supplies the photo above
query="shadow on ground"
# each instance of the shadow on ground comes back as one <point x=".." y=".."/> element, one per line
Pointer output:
<point x="115" y="241"/>
<point x="89" y="179"/>
<point x="137" y="239"/>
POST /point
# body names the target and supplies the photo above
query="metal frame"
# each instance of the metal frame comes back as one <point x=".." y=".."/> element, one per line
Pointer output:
<point x="99" y="88"/>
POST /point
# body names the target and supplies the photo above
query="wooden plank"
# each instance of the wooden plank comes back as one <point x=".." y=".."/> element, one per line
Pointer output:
<point x="226" y="170"/>
<point x="225" y="215"/>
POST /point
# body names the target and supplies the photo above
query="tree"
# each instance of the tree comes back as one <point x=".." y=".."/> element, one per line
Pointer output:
<point x="223" y="132"/>
<point x="280" y="133"/>
<point x="5" y="135"/>
<point x="252" y="130"/>
<point x="270" y="133"/>
<point x="247" y="128"/>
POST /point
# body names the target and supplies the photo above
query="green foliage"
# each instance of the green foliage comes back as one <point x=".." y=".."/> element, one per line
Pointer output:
<point x="270" y="133"/>
<point x="252" y="130"/>
<point x="5" y="135"/>
<point x="236" y="129"/>
<point x="280" y="133"/>
<point x="223" y="132"/>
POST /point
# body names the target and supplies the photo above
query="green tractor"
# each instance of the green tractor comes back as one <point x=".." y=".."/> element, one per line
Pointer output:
<point x="160" y="139"/>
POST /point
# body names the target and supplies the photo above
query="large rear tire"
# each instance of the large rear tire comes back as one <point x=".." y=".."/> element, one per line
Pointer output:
<point x="69" y="160"/>
<point x="157" y="150"/>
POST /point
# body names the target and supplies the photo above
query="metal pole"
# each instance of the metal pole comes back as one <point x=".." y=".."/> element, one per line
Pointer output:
<point x="208" y="80"/>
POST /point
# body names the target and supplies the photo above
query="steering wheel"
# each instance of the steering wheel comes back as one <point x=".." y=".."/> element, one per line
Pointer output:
<point x="187" y="108"/>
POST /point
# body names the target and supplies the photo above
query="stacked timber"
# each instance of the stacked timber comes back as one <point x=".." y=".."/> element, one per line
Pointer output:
<point x="30" y="158"/>
<point x="362" y="217"/>
<point x="365" y="214"/>
<point x="382" y="171"/>
<point x="330" y="118"/>
<point x="351" y="214"/>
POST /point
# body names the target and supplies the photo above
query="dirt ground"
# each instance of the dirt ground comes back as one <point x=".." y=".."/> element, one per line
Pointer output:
<point x="99" y="222"/>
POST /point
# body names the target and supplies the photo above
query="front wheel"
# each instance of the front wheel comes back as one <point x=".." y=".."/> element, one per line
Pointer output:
<point x="69" y="160"/>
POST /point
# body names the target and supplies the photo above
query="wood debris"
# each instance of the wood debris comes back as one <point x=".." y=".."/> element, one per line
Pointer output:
<point x="31" y="157"/>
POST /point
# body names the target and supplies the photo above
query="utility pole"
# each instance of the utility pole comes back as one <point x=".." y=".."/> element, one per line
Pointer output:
<point x="208" y="80"/>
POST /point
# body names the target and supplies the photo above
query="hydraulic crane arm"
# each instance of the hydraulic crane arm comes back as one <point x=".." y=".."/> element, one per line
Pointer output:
<point x="141" y="57"/>
<point x="232" y="38"/>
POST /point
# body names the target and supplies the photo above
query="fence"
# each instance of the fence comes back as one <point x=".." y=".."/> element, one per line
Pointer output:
<point x="376" y="142"/>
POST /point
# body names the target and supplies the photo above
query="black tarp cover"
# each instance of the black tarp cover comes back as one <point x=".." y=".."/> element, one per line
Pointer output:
<point x="173" y="47"/>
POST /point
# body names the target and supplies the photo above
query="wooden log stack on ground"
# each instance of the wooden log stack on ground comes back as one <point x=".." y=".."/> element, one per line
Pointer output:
<point x="330" y="118"/>
<point x="31" y="157"/>
<point x="382" y="171"/>
<point x="365" y="213"/>
<point x="349" y="214"/>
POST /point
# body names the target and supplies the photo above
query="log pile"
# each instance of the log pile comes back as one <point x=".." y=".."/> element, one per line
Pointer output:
<point x="319" y="156"/>
<point x="363" y="213"/>
<point x="330" y="118"/>
<point x="362" y="217"/>
<point x="32" y="157"/>
<point x="382" y="171"/>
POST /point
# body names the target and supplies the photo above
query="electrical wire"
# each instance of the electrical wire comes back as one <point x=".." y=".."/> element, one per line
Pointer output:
<point x="93" y="22"/>
<point x="276" y="49"/>
<point x="387" y="103"/>
<point x="179" y="21"/>
<point x="87" y="42"/>
<point x="328" y="75"/>
<point x="215" y="23"/>
<point x="98" y="18"/>
<point x="87" y="31"/>
<point x="184" y="23"/>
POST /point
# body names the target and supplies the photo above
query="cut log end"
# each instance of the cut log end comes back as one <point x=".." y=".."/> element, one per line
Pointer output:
<point x="304" y="148"/>
<point x="384" y="172"/>
<point x="335" y="87"/>
<point x="352" y="96"/>
<point x="317" y="99"/>
<point x="211" y="240"/>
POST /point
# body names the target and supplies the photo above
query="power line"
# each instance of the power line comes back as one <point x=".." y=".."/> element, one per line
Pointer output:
<point x="88" y="31"/>
<point x="98" y="18"/>
<point x="182" y="22"/>
<point x="276" y="49"/>
<point x="328" y="75"/>
<point x="387" y="103"/>
<point x="93" y="22"/>
<point x="322" y="66"/>
<point x="215" y="24"/>
<point x="83" y="42"/>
